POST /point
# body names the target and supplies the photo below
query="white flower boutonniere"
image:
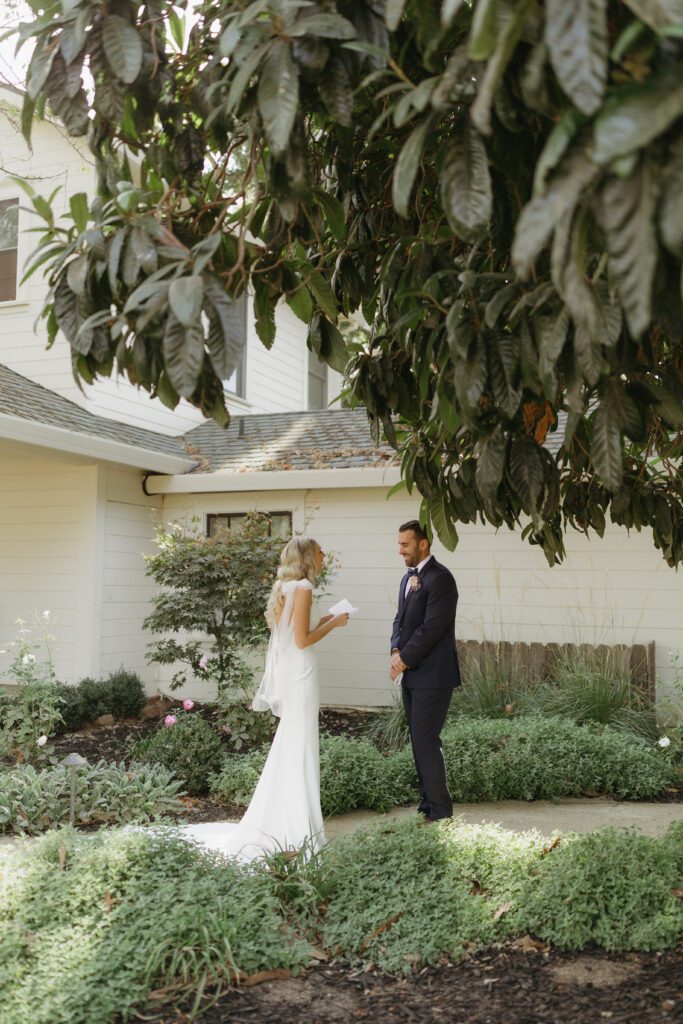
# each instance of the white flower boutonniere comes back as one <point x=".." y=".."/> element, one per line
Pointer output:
<point x="414" y="583"/>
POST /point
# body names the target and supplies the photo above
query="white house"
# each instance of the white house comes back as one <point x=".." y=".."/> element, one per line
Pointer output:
<point x="84" y="478"/>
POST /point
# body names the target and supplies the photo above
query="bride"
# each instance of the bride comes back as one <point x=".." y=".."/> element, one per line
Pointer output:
<point x="284" y="812"/>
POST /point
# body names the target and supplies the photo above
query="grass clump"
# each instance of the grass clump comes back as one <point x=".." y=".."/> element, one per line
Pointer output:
<point x="32" y="801"/>
<point x="92" y="926"/>
<point x="191" y="748"/>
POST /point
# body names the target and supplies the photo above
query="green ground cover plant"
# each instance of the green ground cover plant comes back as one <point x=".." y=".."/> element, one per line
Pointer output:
<point x="92" y="925"/>
<point x="611" y="887"/>
<point x="190" y="747"/>
<point x="529" y="758"/>
<point x="32" y="801"/>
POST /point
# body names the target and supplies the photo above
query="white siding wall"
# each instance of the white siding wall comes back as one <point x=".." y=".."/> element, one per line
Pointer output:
<point x="59" y="161"/>
<point x="129" y="521"/>
<point x="47" y="552"/>
<point x="617" y="590"/>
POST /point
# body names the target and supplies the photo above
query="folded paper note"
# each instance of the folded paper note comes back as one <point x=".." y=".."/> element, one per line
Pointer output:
<point x="343" y="607"/>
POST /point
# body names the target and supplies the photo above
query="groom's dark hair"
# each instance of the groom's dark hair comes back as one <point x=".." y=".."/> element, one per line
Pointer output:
<point x="414" y="525"/>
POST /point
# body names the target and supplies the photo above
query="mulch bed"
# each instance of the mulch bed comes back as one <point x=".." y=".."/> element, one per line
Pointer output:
<point x="527" y="985"/>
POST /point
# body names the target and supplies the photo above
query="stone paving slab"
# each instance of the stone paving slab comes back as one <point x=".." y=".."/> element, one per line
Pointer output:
<point x="544" y="816"/>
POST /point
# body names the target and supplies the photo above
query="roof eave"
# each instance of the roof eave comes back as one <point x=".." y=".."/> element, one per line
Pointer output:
<point x="15" y="428"/>
<point x="274" y="480"/>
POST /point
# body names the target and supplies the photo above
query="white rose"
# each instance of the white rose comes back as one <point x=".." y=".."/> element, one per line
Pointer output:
<point x="41" y="741"/>
<point x="664" y="741"/>
<point x="46" y="615"/>
<point x="28" y="659"/>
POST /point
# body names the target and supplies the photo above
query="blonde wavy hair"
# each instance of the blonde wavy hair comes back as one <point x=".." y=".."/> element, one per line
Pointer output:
<point x="297" y="562"/>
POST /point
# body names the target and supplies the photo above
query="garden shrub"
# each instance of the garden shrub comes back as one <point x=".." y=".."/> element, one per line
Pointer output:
<point x="403" y="895"/>
<point x="533" y="758"/>
<point x="121" y="694"/>
<point x="353" y="775"/>
<point x="32" y="801"/>
<point x="529" y="758"/>
<point x="128" y="696"/>
<point x="191" y="748"/>
<point x="91" y="926"/>
<point x="612" y="887"/>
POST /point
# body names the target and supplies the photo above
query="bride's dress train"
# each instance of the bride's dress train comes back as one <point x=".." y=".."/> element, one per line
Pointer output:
<point x="284" y="813"/>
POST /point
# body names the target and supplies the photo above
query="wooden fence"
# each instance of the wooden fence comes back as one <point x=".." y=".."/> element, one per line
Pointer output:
<point x="536" y="661"/>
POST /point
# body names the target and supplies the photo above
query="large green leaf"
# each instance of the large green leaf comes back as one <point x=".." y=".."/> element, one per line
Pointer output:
<point x="186" y="296"/>
<point x="183" y="355"/>
<point x="336" y="91"/>
<point x="540" y="216"/>
<point x="264" y="312"/>
<point x="331" y="26"/>
<point x="122" y="47"/>
<point x="627" y="212"/>
<point x="407" y="166"/>
<point x="227" y="334"/>
<point x="278" y="95"/>
<point x="527" y="474"/>
<point x="465" y="184"/>
<point x="490" y="463"/>
<point x="637" y="114"/>
<point x="657" y="13"/>
<point x="511" y="25"/>
<point x="441" y="516"/>
<point x="606" y="445"/>
<point x="671" y="204"/>
<point x="577" y="39"/>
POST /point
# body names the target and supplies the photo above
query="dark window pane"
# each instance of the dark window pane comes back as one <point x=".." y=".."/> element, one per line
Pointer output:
<point x="9" y="225"/>
<point x="8" y="275"/>
<point x="280" y="523"/>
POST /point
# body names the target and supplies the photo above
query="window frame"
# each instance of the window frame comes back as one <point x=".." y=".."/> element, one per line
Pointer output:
<point x="212" y="516"/>
<point x="240" y="390"/>
<point x="319" y="370"/>
<point x="12" y="198"/>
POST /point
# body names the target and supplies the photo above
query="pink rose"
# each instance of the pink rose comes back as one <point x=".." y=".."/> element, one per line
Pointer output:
<point x="203" y="662"/>
<point x="170" y="720"/>
<point x="188" y="704"/>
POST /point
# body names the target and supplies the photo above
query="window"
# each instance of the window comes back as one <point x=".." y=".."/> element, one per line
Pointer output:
<point x="236" y="383"/>
<point x="280" y="523"/>
<point x="9" y="232"/>
<point x="317" y="382"/>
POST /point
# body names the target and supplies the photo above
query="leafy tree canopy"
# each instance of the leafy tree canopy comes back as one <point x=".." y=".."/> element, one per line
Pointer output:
<point x="496" y="184"/>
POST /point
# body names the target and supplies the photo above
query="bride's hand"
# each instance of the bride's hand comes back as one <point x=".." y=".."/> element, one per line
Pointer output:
<point x="341" y="620"/>
<point x="324" y="619"/>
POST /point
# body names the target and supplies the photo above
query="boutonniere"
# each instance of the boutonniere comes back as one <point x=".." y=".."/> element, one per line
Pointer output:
<point x="414" y="583"/>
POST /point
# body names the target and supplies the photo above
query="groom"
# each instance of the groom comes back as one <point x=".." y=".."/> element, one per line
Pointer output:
<point x="423" y="651"/>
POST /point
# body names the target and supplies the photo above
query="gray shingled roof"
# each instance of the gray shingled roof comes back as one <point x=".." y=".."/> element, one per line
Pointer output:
<point x="22" y="397"/>
<point x="328" y="439"/>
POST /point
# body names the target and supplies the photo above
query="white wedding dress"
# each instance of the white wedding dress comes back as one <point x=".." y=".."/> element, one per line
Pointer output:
<point x="284" y="813"/>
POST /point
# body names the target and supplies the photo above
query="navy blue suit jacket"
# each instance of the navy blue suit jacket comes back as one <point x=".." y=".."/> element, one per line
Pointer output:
<point x="424" y="629"/>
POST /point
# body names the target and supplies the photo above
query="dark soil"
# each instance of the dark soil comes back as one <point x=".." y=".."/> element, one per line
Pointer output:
<point x="114" y="742"/>
<point x="521" y="984"/>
